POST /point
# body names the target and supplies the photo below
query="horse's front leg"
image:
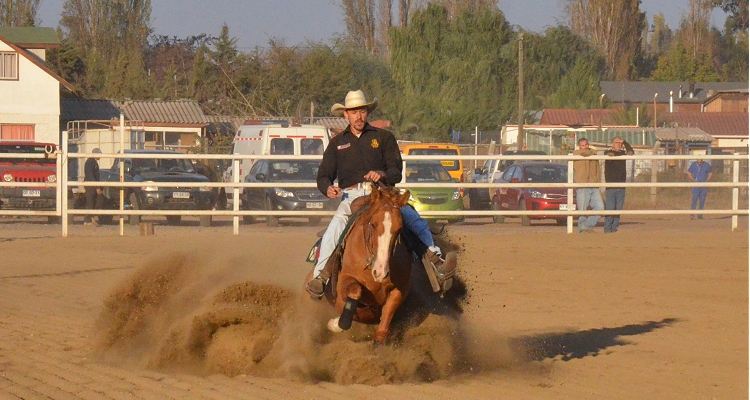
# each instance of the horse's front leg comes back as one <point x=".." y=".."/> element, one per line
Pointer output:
<point x="392" y="302"/>
<point x="353" y="292"/>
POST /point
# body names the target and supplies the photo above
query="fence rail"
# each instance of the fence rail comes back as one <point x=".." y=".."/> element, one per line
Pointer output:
<point x="62" y="186"/>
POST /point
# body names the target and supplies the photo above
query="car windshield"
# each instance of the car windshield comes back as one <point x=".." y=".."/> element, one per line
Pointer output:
<point x="449" y="164"/>
<point x="546" y="173"/>
<point x="162" y="165"/>
<point x="25" y="149"/>
<point x="305" y="170"/>
<point x="426" y="172"/>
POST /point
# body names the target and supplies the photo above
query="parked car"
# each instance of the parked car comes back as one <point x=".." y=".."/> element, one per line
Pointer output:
<point x="481" y="198"/>
<point x="433" y="199"/>
<point x="537" y="198"/>
<point x="285" y="198"/>
<point x="41" y="170"/>
<point x="149" y="197"/>
<point x="455" y="167"/>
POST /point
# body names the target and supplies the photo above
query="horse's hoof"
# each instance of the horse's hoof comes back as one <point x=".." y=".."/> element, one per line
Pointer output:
<point x="333" y="325"/>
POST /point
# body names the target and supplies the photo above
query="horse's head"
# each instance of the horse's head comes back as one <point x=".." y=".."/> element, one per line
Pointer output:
<point x="384" y="222"/>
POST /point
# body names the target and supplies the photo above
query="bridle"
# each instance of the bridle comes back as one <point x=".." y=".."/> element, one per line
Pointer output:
<point x="367" y="232"/>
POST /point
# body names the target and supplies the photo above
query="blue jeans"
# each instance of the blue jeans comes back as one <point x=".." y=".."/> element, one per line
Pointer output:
<point x="586" y="197"/>
<point x="699" y="198"/>
<point x="615" y="201"/>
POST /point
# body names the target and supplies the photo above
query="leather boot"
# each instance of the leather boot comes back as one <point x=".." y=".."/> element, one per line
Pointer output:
<point x="440" y="270"/>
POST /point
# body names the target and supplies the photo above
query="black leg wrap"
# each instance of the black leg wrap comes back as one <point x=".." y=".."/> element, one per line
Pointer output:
<point x="345" y="321"/>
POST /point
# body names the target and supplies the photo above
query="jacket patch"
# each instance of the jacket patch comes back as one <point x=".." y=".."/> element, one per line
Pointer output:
<point x="374" y="143"/>
<point x="343" y="146"/>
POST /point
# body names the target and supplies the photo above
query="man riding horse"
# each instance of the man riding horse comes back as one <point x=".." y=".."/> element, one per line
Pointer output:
<point x="359" y="154"/>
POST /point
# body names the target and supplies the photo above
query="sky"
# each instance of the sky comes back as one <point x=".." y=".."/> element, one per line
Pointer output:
<point x="254" y="22"/>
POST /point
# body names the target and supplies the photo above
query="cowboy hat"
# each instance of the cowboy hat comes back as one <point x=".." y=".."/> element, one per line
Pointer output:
<point x="354" y="99"/>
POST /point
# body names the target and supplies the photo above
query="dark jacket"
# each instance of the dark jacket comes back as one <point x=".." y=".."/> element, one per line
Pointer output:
<point x="349" y="158"/>
<point x="91" y="170"/>
<point x="616" y="170"/>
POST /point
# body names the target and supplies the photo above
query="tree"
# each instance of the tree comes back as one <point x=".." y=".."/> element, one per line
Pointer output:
<point x="680" y="65"/>
<point x="737" y="20"/>
<point x="579" y="88"/>
<point x="18" y="12"/>
<point x="359" y="16"/>
<point x="614" y="27"/>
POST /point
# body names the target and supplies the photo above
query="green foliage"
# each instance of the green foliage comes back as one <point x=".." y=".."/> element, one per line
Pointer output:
<point x="679" y="65"/>
<point x="579" y="88"/>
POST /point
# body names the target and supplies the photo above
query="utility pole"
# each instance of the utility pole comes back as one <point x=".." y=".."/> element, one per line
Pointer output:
<point x="520" y="139"/>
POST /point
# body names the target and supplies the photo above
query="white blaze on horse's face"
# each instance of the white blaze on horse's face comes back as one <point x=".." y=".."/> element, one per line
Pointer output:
<point x="380" y="266"/>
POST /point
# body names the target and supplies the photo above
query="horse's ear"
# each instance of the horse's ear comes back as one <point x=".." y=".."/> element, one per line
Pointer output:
<point x="403" y="198"/>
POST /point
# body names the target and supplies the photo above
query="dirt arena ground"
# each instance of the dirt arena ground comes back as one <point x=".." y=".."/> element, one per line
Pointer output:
<point x="658" y="310"/>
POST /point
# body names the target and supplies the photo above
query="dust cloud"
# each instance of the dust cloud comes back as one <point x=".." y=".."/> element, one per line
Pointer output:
<point x="203" y="315"/>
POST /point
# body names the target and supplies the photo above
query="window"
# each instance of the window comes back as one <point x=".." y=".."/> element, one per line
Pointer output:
<point x="17" y="132"/>
<point x="8" y="65"/>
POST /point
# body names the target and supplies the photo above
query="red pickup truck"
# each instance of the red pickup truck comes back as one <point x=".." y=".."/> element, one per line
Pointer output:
<point x="40" y="170"/>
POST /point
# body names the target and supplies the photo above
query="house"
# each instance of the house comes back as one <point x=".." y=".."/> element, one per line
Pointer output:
<point x="150" y="124"/>
<point x="664" y="96"/>
<point x="29" y="90"/>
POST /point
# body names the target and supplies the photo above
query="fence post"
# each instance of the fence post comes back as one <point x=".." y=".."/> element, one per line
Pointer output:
<point x="735" y="193"/>
<point x="570" y="195"/>
<point x="236" y="195"/>
<point x="62" y="184"/>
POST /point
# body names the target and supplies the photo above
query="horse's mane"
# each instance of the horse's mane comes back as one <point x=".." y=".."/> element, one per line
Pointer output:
<point x="386" y="197"/>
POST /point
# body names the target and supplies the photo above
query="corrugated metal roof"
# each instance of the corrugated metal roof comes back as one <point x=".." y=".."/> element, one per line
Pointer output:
<point x="157" y="111"/>
<point x="714" y="123"/>
<point x="28" y="37"/>
<point x="643" y="92"/>
<point x="570" y="117"/>
<point x="74" y="109"/>
<point x="333" y="123"/>
<point x="683" y="135"/>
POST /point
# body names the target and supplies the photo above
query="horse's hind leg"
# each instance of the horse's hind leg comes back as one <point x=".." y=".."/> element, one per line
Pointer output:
<point x="353" y="293"/>
<point x="394" y="300"/>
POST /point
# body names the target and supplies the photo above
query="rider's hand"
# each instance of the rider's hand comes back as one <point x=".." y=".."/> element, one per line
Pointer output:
<point x="333" y="192"/>
<point x="374" y="176"/>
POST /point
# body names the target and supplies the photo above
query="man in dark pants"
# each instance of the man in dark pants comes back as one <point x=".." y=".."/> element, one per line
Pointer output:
<point x="94" y="195"/>
<point x="615" y="171"/>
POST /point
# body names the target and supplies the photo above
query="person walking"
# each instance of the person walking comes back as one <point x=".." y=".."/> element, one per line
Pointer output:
<point x="615" y="171"/>
<point x="699" y="171"/>
<point x="587" y="171"/>
<point x="94" y="195"/>
<point x="359" y="154"/>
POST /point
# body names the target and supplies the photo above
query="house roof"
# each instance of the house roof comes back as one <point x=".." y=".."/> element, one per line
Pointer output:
<point x="715" y="123"/>
<point x="178" y="112"/>
<point x="159" y="111"/>
<point x="31" y="37"/>
<point x="570" y="117"/>
<point x="36" y="61"/>
<point x="683" y="134"/>
<point x="643" y="92"/>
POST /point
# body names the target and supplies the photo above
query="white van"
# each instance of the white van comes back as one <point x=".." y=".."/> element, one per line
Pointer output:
<point x="294" y="139"/>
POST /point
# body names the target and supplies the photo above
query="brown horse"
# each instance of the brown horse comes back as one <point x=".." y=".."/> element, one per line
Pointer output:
<point x="375" y="267"/>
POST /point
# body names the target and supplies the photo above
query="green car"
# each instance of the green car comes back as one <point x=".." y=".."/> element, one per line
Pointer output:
<point x="433" y="199"/>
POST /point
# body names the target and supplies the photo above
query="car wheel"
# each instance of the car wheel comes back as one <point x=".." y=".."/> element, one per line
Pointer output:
<point x="106" y="219"/>
<point x="562" y="222"/>
<point x="206" y="220"/>
<point x="524" y="218"/>
<point x="498" y="219"/>
<point x="134" y="219"/>
<point x="271" y="220"/>
<point x="221" y="200"/>
<point x="174" y="219"/>
<point x="56" y="220"/>
<point x="313" y="221"/>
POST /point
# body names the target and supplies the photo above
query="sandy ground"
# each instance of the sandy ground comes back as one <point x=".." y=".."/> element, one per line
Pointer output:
<point x="657" y="310"/>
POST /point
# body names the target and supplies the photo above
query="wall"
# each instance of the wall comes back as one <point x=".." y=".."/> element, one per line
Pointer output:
<point x="32" y="99"/>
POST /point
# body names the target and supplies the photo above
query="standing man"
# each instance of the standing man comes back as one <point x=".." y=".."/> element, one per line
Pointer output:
<point x="587" y="171"/>
<point x="615" y="171"/>
<point x="699" y="171"/>
<point x="363" y="153"/>
<point x="94" y="195"/>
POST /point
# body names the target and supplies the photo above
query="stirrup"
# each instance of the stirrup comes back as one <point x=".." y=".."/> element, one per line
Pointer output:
<point x="440" y="274"/>
<point x="312" y="292"/>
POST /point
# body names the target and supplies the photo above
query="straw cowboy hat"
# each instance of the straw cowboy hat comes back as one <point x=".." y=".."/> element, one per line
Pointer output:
<point x="354" y="99"/>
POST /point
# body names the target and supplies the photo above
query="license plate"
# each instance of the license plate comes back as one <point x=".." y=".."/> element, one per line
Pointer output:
<point x="447" y="163"/>
<point x="32" y="193"/>
<point x="564" y="207"/>
<point x="314" y="204"/>
<point x="181" y="195"/>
